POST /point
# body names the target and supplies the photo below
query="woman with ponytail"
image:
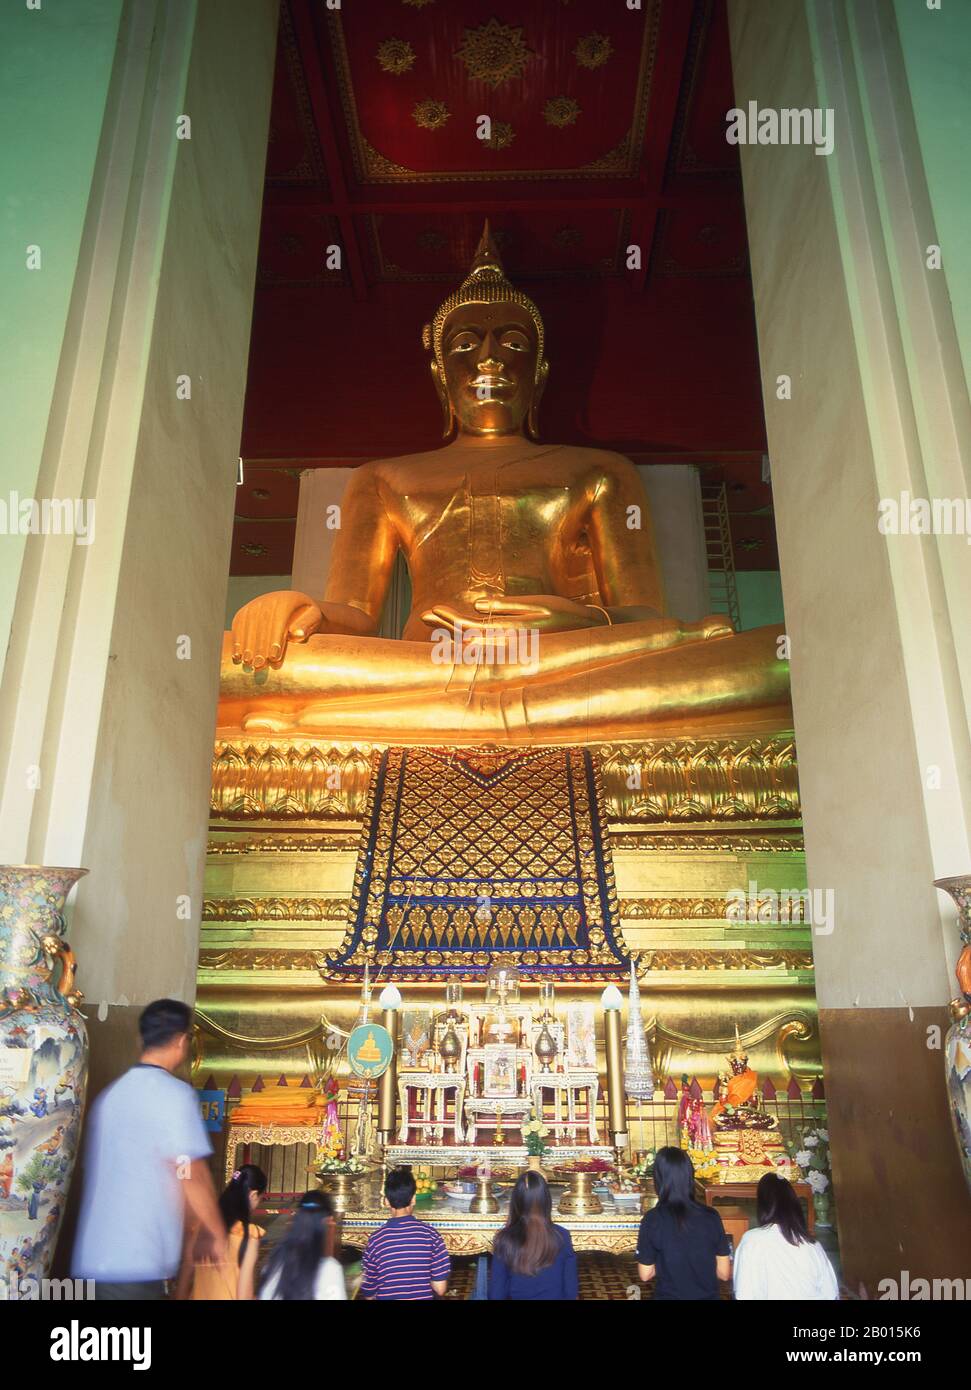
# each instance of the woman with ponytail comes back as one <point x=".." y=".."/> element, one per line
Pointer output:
<point x="532" y="1258"/>
<point x="235" y="1278"/>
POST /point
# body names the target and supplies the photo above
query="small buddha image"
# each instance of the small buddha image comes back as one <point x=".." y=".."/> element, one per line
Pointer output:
<point x="369" y="1052"/>
<point x="738" y="1103"/>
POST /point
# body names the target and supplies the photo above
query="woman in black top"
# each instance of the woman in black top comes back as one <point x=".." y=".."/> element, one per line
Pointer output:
<point x="681" y="1243"/>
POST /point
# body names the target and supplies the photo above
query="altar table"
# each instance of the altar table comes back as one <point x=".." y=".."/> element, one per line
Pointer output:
<point x="282" y="1136"/>
<point x="710" y="1192"/>
<point x="614" y="1231"/>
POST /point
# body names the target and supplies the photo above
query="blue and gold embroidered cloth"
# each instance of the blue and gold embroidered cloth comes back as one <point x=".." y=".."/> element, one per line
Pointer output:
<point x="470" y="857"/>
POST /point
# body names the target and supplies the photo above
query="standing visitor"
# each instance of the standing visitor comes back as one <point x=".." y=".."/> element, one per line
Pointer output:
<point x="302" y="1268"/>
<point x="779" y="1259"/>
<point x="145" y="1164"/>
<point x="681" y="1244"/>
<point x="405" y="1258"/>
<point x="235" y="1277"/>
<point x="532" y="1258"/>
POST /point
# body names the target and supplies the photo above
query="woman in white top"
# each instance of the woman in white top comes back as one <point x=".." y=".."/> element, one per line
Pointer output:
<point x="302" y="1267"/>
<point x="779" y="1259"/>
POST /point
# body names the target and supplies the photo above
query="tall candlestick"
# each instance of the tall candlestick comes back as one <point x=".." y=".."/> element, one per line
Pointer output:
<point x="388" y="1084"/>
<point x="613" y="1046"/>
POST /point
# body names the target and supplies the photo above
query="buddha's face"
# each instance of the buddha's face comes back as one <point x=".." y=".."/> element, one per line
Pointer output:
<point x="490" y="353"/>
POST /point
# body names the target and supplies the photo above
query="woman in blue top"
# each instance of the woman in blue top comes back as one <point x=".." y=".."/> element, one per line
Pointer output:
<point x="532" y="1258"/>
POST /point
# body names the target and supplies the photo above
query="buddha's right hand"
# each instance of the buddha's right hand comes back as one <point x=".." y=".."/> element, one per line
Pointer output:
<point x="262" y="627"/>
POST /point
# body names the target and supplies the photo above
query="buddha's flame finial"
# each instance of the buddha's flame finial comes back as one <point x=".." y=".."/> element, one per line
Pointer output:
<point x="738" y="1053"/>
<point x="486" y="254"/>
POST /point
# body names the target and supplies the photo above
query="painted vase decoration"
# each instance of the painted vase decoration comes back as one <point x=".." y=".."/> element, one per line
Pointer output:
<point x="957" y="1044"/>
<point x="43" y="1068"/>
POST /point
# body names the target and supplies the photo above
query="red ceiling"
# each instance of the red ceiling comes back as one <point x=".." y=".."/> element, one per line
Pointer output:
<point x="611" y="126"/>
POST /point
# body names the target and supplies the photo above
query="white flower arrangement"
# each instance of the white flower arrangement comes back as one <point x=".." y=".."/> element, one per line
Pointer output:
<point x="811" y="1154"/>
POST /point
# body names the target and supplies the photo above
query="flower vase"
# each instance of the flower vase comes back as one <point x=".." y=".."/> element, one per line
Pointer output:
<point x="823" y="1208"/>
<point x="43" y="1068"/>
<point x="343" y="1192"/>
<point x="957" y="1043"/>
<point x="534" y="1163"/>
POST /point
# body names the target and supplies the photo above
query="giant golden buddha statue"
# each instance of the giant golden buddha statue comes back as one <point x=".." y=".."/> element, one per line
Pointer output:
<point x="538" y="612"/>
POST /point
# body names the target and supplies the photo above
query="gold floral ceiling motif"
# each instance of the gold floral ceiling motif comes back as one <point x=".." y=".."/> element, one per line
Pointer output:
<point x="431" y="115"/>
<point x="567" y="239"/>
<point x="431" y="240"/>
<point x="561" y="111"/>
<point x="396" y="56"/>
<point x="418" y="4"/>
<point x="593" y="50"/>
<point x="502" y="135"/>
<point x="494" y="53"/>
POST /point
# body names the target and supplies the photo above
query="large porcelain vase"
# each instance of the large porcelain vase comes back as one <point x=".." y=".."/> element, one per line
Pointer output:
<point x="43" y="1069"/>
<point x="957" y="1045"/>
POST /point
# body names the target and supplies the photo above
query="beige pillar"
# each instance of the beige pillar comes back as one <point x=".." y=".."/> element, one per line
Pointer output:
<point x="107" y="705"/>
<point x="849" y="313"/>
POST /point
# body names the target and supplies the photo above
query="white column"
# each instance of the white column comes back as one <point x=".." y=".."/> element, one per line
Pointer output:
<point x="109" y="690"/>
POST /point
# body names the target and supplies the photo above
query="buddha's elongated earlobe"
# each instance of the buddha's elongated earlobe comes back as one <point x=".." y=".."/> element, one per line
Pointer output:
<point x="448" y="414"/>
<point x="532" y="417"/>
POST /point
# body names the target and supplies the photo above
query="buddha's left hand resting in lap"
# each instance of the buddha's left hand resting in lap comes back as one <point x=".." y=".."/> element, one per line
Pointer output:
<point x="537" y="608"/>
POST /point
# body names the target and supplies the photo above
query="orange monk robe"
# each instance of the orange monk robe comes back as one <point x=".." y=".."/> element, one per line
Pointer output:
<point x="740" y="1089"/>
<point x="280" y="1107"/>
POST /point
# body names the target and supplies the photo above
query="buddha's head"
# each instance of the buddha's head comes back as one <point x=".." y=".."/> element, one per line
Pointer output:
<point x="739" y="1058"/>
<point x="487" y="344"/>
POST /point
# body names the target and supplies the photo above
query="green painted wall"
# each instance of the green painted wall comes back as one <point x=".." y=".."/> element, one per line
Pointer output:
<point x="937" y="55"/>
<point x="55" y="67"/>
<point x="759" y="597"/>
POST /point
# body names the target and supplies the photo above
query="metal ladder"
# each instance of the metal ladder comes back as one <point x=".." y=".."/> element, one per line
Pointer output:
<point x="721" y="557"/>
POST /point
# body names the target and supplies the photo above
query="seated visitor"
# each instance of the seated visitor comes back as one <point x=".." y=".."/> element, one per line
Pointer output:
<point x="302" y="1268"/>
<point x="779" y="1259"/>
<point x="233" y="1277"/>
<point x="681" y="1243"/>
<point x="532" y="1258"/>
<point x="405" y="1258"/>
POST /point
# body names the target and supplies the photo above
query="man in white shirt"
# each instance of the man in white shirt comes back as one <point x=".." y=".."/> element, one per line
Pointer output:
<point x="145" y="1162"/>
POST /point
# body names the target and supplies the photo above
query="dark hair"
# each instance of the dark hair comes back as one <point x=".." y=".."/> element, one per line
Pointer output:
<point x="529" y="1241"/>
<point x="297" y="1257"/>
<point x="674" y="1179"/>
<point x="778" y="1205"/>
<point x="162" y="1021"/>
<point x="234" y="1203"/>
<point x="400" y="1188"/>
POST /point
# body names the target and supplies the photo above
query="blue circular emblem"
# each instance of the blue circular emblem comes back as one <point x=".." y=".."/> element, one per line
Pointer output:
<point x="369" y="1050"/>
